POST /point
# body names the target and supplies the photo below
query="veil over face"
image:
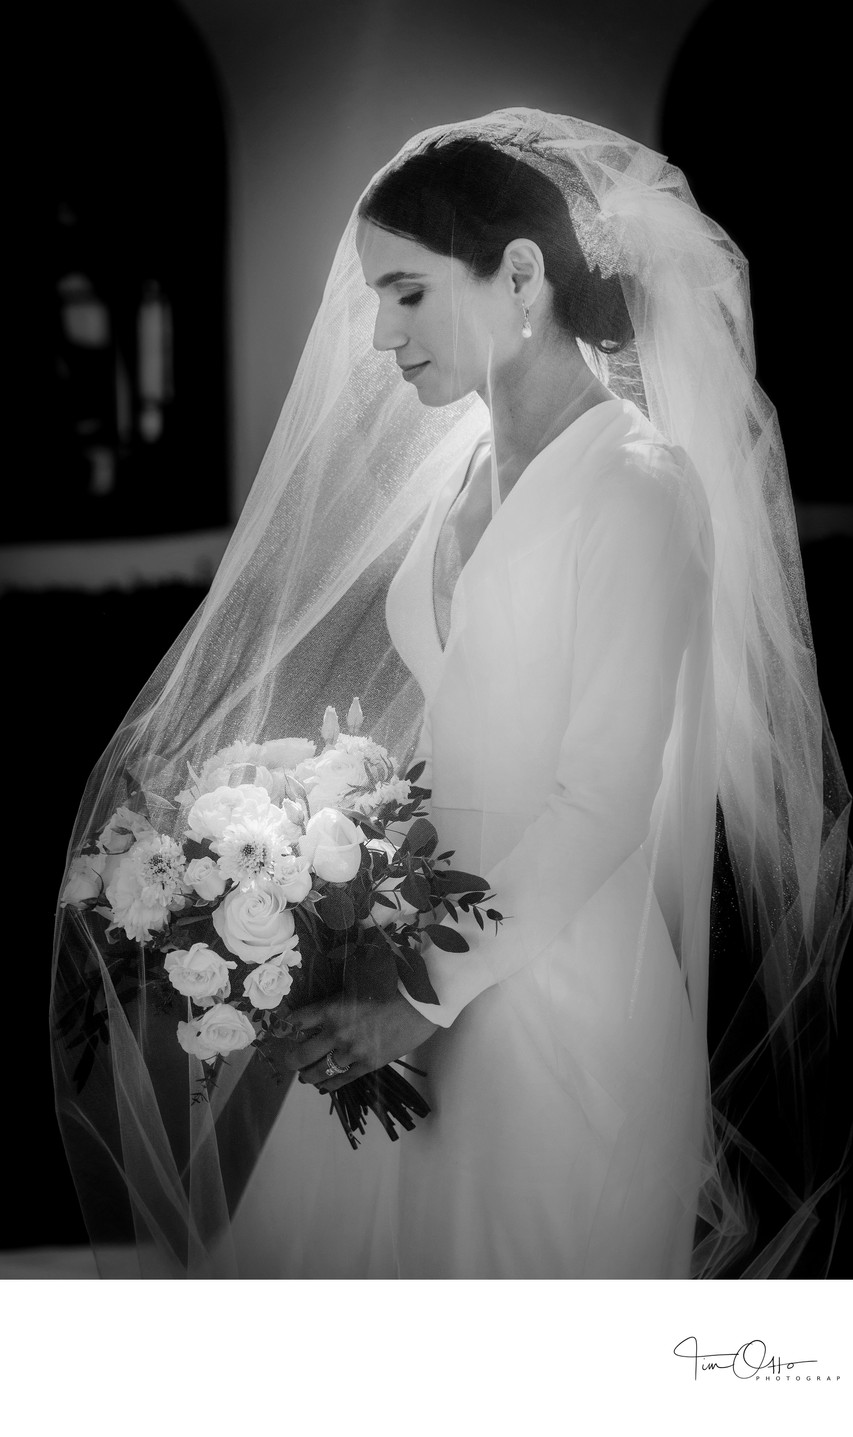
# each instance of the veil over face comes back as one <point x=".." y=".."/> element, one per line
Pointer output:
<point x="295" y="620"/>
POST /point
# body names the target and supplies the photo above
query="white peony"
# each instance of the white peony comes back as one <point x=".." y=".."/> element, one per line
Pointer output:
<point x="222" y="1029"/>
<point x="332" y="845"/>
<point x="199" y="973"/>
<point x="203" y="875"/>
<point x="266" y="985"/>
<point x="211" y="814"/>
<point x="255" y="924"/>
<point x="261" y="764"/>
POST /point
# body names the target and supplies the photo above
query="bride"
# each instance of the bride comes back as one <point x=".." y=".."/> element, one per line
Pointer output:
<point x="526" y="435"/>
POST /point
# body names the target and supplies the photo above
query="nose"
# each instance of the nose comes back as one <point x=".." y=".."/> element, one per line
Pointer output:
<point x="387" y="331"/>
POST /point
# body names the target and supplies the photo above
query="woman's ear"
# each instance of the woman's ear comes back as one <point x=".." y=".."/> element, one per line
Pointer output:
<point x="525" y="268"/>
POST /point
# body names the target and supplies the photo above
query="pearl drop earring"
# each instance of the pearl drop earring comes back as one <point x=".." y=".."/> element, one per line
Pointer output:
<point x="526" y="331"/>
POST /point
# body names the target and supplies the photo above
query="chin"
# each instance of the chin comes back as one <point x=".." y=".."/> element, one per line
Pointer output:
<point x="442" y="395"/>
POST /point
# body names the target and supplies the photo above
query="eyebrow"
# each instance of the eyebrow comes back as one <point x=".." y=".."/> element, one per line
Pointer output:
<point x="394" y="276"/>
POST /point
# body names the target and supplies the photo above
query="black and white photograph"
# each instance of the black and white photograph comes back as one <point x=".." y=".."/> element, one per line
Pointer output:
<point x="426" y="600"/>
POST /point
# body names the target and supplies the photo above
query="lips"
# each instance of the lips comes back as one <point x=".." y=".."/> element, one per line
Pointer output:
<point x="409" y="370"/>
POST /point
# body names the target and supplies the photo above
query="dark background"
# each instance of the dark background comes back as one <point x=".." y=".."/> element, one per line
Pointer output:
<point x="145" y="135"/>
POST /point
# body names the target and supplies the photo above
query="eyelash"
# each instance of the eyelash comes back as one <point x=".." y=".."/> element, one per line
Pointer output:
<point x="412" y="299"/>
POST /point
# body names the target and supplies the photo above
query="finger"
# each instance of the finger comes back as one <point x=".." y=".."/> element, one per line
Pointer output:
<point x="318" y="1072"/>
<point x="313" y="1015"/>
<point x="357" y="1070"/>
<point x="299" y="1056"/>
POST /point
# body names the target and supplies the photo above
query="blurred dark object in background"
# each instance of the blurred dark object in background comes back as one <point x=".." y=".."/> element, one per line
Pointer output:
<point x="125" y="359"/>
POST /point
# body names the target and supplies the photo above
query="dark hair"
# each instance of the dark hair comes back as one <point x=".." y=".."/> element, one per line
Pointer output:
<point x="468" y="199"/>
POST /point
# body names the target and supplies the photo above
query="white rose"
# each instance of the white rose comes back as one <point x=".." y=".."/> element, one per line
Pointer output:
<point x="380" y="916"/>
<point x="203" y="875"/>
<point x="255" y="924"/>
<point x="198" y="972"/>
<point x="293" y="877"/>
<point x="332" y="845"/>
<point x="211" y="814"/>
<point x="123" y="829"/>
<point x="266" y="985"/>
<point x="88" y="876"/>
<point x="221" y="1029"/>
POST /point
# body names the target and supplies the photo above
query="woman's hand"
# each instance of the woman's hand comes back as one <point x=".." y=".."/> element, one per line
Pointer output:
<point x="363" y="1035"/>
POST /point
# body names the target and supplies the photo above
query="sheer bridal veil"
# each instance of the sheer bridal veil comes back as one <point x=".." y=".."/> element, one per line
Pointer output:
<point x="295" y="620"/>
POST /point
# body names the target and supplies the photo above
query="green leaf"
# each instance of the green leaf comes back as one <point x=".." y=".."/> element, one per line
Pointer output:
<point x="337" y="909"/>
<point x="455" y="881"/>
<point x="415" y="978"/>
<point x="421" y="835"/>
<point x="446" y="938"/>
<point x="479" y="917"/>
<point x="415" y="771"/>
<point x="361" y="901"/>
<point x="416" y="891"/>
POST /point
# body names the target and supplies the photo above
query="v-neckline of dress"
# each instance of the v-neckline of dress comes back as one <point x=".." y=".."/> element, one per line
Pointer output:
<point x="444" y="511"/>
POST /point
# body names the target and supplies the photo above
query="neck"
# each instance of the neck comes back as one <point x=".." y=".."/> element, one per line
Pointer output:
<point x="534" y="398"/>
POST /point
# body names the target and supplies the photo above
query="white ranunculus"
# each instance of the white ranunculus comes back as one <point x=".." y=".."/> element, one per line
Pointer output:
<point x="266" y="985"/>
<point x="199" y="972"/>
<point x="332" y="845"/>
<point x="222" y="1029"/>
<point x="255" y="924"/>
<point x="211" y="814"/>
<point x="205" y="878"/>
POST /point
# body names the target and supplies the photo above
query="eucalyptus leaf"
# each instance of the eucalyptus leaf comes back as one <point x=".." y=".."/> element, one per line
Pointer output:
<point x="447" y="938"/>
<point x="453" y="880"/>
<point x="421" y="835"/>
<point x="416" y="891"/>
<point x="414" y="976"/>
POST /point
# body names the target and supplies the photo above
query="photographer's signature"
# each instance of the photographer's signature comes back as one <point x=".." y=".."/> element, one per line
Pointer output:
<point x="749" y="1359"/>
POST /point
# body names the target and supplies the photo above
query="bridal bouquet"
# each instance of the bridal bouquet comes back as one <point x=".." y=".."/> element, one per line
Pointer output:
<point x="277" y="886"/>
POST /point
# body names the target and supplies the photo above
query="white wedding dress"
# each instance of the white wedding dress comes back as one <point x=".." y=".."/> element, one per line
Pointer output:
<point x="570" y="737"/>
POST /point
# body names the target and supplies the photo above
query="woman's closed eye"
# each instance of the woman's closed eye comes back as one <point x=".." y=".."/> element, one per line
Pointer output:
<point x="414" y="298"/>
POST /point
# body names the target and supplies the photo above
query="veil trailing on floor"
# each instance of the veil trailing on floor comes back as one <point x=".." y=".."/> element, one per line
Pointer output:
<point x="295" y="620"/>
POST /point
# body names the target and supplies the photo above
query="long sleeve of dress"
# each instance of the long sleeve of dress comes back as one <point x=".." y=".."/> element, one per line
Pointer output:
<point x="640" y="581"/>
